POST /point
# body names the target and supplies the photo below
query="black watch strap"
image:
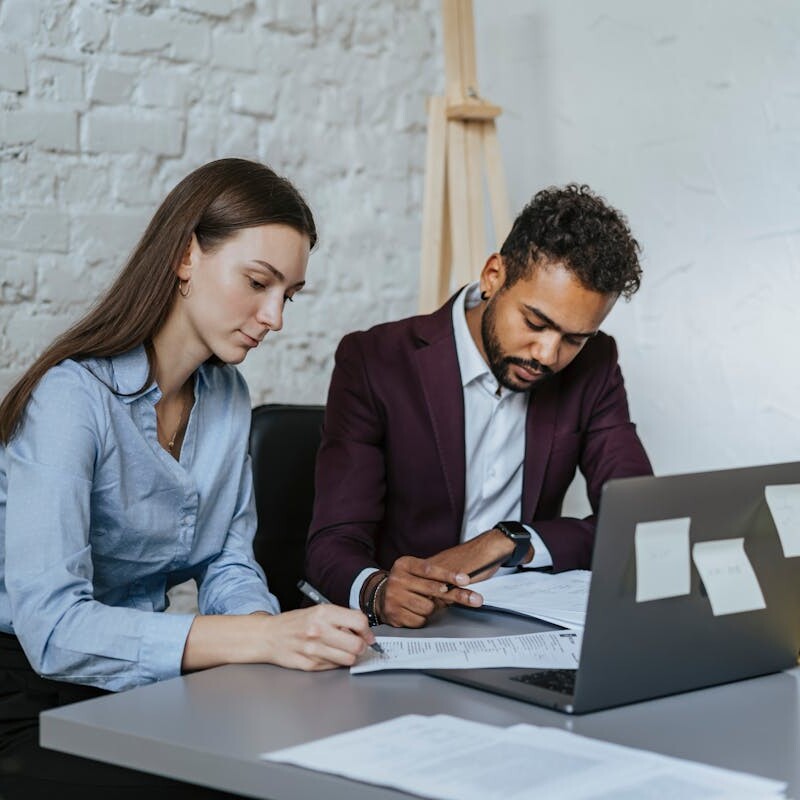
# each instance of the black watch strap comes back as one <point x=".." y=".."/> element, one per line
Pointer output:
<point x="521" y="538"/>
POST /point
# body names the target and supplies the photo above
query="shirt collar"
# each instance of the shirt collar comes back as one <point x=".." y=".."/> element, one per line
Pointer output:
<point x="470" y="360"/>
<point x="128" y="374"/>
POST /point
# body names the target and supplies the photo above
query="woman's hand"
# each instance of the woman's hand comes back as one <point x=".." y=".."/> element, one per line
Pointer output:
<point x="322" y="637"/>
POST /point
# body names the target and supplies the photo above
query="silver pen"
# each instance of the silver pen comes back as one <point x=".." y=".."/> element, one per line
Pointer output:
<point x="317" y="597"/>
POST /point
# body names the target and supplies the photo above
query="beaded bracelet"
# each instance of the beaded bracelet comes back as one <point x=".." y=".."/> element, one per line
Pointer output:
<point x="369" y="606"/>
<point x="380" y="590"/>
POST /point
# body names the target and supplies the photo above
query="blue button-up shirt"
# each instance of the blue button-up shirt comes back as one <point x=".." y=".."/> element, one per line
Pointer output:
<point x="97" y="521"/>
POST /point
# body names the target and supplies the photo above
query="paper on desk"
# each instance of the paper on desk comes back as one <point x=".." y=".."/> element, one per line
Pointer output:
<point x="728" y="576"/>
<point x="662" y="559"/>
<point x="548" y="650"/>
<point x="648" y="775"/>
<point x="561" y="598"/>
<point x="784" y="505"/>
<point x="455" y="759"/>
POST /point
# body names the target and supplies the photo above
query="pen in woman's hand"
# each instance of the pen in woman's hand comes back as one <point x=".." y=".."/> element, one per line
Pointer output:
<point x="317" y="597"/>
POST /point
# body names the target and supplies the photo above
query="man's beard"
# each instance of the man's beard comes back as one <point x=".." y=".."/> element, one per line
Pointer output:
<point x="499" y="362"/>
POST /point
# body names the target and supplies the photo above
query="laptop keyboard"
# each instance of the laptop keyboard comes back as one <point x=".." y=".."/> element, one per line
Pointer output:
<point x="558" y="680"/>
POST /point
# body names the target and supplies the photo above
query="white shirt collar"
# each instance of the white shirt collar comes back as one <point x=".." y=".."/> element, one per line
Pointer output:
<point x="470" y="361"/>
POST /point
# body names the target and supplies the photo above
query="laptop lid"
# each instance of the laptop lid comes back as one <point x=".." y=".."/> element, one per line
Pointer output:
<point x="636" y="650"/>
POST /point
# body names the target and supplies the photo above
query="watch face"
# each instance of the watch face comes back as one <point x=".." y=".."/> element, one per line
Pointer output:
<point x="521" y="538"/>
<point x="514" y="530"/>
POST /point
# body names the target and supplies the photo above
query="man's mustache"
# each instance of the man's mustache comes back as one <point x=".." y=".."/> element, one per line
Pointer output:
<point x="529" y="363"/>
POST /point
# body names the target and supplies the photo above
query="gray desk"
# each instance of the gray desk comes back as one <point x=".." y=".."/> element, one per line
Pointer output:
<point x="209" y="727"/>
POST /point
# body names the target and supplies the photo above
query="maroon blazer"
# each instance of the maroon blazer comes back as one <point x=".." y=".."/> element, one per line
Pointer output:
<point x="390" y="472"/>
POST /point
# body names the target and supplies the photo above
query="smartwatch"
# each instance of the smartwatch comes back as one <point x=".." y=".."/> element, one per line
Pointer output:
<point x="522" y="541"/>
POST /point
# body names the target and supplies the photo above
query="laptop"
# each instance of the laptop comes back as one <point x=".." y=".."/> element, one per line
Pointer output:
<point x="636" y="651"/>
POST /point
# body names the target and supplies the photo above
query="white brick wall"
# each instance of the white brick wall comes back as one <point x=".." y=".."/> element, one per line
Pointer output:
<point x="12" y="72"/>
<point x="105" y="106"/>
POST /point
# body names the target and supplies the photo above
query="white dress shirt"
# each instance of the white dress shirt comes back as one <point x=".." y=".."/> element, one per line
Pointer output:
<point x="494" y="444"/>
<point x="494" y="438"/>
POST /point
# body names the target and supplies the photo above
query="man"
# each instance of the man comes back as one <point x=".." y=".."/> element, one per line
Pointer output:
<point x="450" y="439"/>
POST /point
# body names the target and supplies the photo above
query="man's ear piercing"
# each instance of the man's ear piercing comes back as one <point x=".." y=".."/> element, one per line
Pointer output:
<point x="484" y="296"/>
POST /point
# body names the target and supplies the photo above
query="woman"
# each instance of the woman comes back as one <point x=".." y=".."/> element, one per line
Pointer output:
<point x="124" y="470"/>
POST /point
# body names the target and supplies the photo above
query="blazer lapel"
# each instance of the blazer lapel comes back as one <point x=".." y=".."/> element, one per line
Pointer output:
<point x="539" y="430"/>
<point x="440" y="379"/>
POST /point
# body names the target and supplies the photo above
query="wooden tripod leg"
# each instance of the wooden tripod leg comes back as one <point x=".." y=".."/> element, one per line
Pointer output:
<point x="454" y="233"/>
<point x="452" y="31"/>
<point x="476" y="227"/>
<point x="496" y="183"/>
<point x="466" y="38"/>
<point x="434" y="270"/>
<point x="447" y="254"/>
<point x="458" y="201"/>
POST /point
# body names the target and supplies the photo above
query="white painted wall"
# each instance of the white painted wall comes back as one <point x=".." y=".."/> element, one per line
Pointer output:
<point x="686" y="116"/>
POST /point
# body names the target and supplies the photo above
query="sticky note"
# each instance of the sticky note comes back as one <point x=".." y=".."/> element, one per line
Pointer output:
<point x="662" y="559"/>
<point x="784" y="505"/>
<point x="728" y="576"/>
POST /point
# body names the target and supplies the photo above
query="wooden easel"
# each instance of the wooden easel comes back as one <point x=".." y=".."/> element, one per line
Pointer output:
<point x="461" y="136"/>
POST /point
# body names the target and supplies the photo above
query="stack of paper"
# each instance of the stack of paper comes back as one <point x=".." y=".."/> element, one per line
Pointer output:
<point x="560" y="599"/>
<point x="455" y="759"/>
<point x="548" y="650"/>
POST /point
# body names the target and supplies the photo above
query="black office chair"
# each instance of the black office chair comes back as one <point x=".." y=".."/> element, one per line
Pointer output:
<point x="284" y="440"/>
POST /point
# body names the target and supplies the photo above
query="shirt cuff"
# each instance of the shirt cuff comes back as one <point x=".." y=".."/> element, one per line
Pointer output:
<point x="361" y="579"/>
<point x="541" y="555"/>
<point x="163" y="644"/>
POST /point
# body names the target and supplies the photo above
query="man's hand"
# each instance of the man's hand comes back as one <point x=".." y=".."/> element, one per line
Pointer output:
<point x="415" y="588"/>
<point x="471" y="555"/>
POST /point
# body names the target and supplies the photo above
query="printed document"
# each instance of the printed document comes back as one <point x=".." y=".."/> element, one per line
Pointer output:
<point x="560" y="599"/>
<point x="547" y="650"/>
<point x="455" y="759"/>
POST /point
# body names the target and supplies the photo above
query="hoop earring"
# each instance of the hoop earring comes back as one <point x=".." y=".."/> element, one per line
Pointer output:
<point x="484" y="296"/>
<point x="188" y="287"/>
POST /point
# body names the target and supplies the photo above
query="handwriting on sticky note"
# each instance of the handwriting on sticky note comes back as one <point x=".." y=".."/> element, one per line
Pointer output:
<point x="728" y="576"/>
<point x="784" y="505"/>
<point x="662" y="559"/>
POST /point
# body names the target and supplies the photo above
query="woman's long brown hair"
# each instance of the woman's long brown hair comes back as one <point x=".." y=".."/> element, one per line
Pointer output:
<point x="213" y="202"/>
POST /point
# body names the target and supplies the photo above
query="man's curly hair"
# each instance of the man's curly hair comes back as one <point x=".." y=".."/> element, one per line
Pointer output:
<point x="574" y="227"/>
